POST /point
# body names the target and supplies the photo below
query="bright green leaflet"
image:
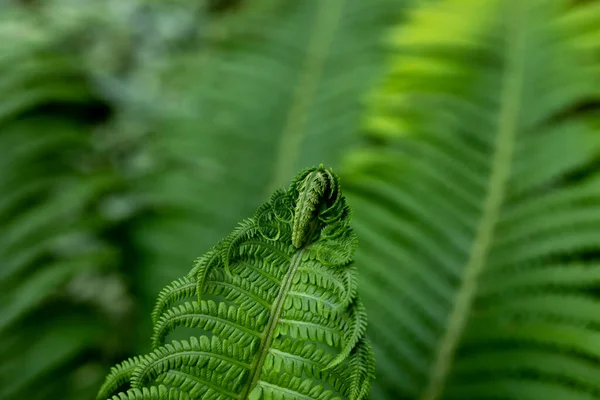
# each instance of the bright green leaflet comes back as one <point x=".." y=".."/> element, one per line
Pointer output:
<point x="275" y="307"/>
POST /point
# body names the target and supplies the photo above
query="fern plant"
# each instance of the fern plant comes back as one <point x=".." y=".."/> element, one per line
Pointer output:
<point x="56" y="190"/>
<point x="66" y="184"/>
<point x="274" y="307"/>
<point x="478" y="204"/>
<point x="221" y="149"/>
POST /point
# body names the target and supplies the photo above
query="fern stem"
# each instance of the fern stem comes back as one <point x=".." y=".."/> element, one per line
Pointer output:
<point x="512" y="82"/>
<point x="328" y="16"/>
<point x="269" y="333"/>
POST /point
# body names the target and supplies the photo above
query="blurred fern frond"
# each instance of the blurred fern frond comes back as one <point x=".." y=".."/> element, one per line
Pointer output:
<point x="55" y="186"/>
<point x="64" y="201"/>
<point x="279" y="89"/>
<point x="273" y="307"/>
<point x="105" y="99"/>
<point x="477" y="204"/>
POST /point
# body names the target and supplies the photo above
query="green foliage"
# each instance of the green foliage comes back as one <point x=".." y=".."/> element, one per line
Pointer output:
<point x="122" y="115"/>
<point x="60" y="295"/>
<point x="271" y="92"/>
<point x="478" y="204"/>
<point x="136" y="133"/>
<point x="274" y="308"/>
<point x="66" y="178"/>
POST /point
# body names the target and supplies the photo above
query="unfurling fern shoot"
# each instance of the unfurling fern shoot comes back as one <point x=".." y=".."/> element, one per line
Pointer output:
<point x="275" y="307"/>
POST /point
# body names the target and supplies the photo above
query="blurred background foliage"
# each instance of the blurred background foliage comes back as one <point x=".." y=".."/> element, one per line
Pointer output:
<point x="136" y="133"/>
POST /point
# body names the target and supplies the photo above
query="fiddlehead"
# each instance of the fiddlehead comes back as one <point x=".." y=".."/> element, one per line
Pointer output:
<point x="317" y="197"/>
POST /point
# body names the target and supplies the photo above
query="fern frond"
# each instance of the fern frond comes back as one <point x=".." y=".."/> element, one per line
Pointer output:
<point x="296" y="357"/>
<point x="57" y="183"/>
<point x="477" y="202"/>
<point x="294" y="57"/>
<point x="118" y="376"/>
<point x="333" y="281"/>
<point x="198" y="383"/>
<point x="284" y="386"/>
<point x="362" y="369"/>
<point x="216" y="355"/>
<point x="152" y="393"/>
<point x="311" y="190"/>
<point x="242" y="292"/>
<point x="244" y="231"/>
<point x="320" y="328"/>
<point x="356" y="331"/>
<point x="272" y="318"/>
<point x="220" y="319"/>
<point x="202" y="265"/>
<point x="180" y="289"/>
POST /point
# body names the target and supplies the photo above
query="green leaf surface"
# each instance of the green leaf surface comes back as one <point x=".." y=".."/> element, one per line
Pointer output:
<point x="476" y="206"/>
<point x="276" y="332"/>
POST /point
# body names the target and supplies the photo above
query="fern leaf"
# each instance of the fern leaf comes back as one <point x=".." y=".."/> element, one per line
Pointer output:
<point x="294" y="57"/>
<point x="201" y="267"/>
<point x="220" y="319"/>
<point x="362" y="370"/>
<point x="118" y="376"/>
<point x="252" y="298"/>
<point x="357" y="330"/>
<point x="198" y="383"/>
<point x="296" y="357"/>
<point x="152" y="393"/>
<point x="477" y="203"/>
<point x="321" y="328"/>
<point x="56" y="182"/>
<point x="182" y="288"/>
<point x="277" y="314"/>
<point x="214" y="354"/>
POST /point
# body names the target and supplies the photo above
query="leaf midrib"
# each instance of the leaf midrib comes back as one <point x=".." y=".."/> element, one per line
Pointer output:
<point x="504" y="146"/>
<point x="328" y="15"/>
<point x="269" y="333"/>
